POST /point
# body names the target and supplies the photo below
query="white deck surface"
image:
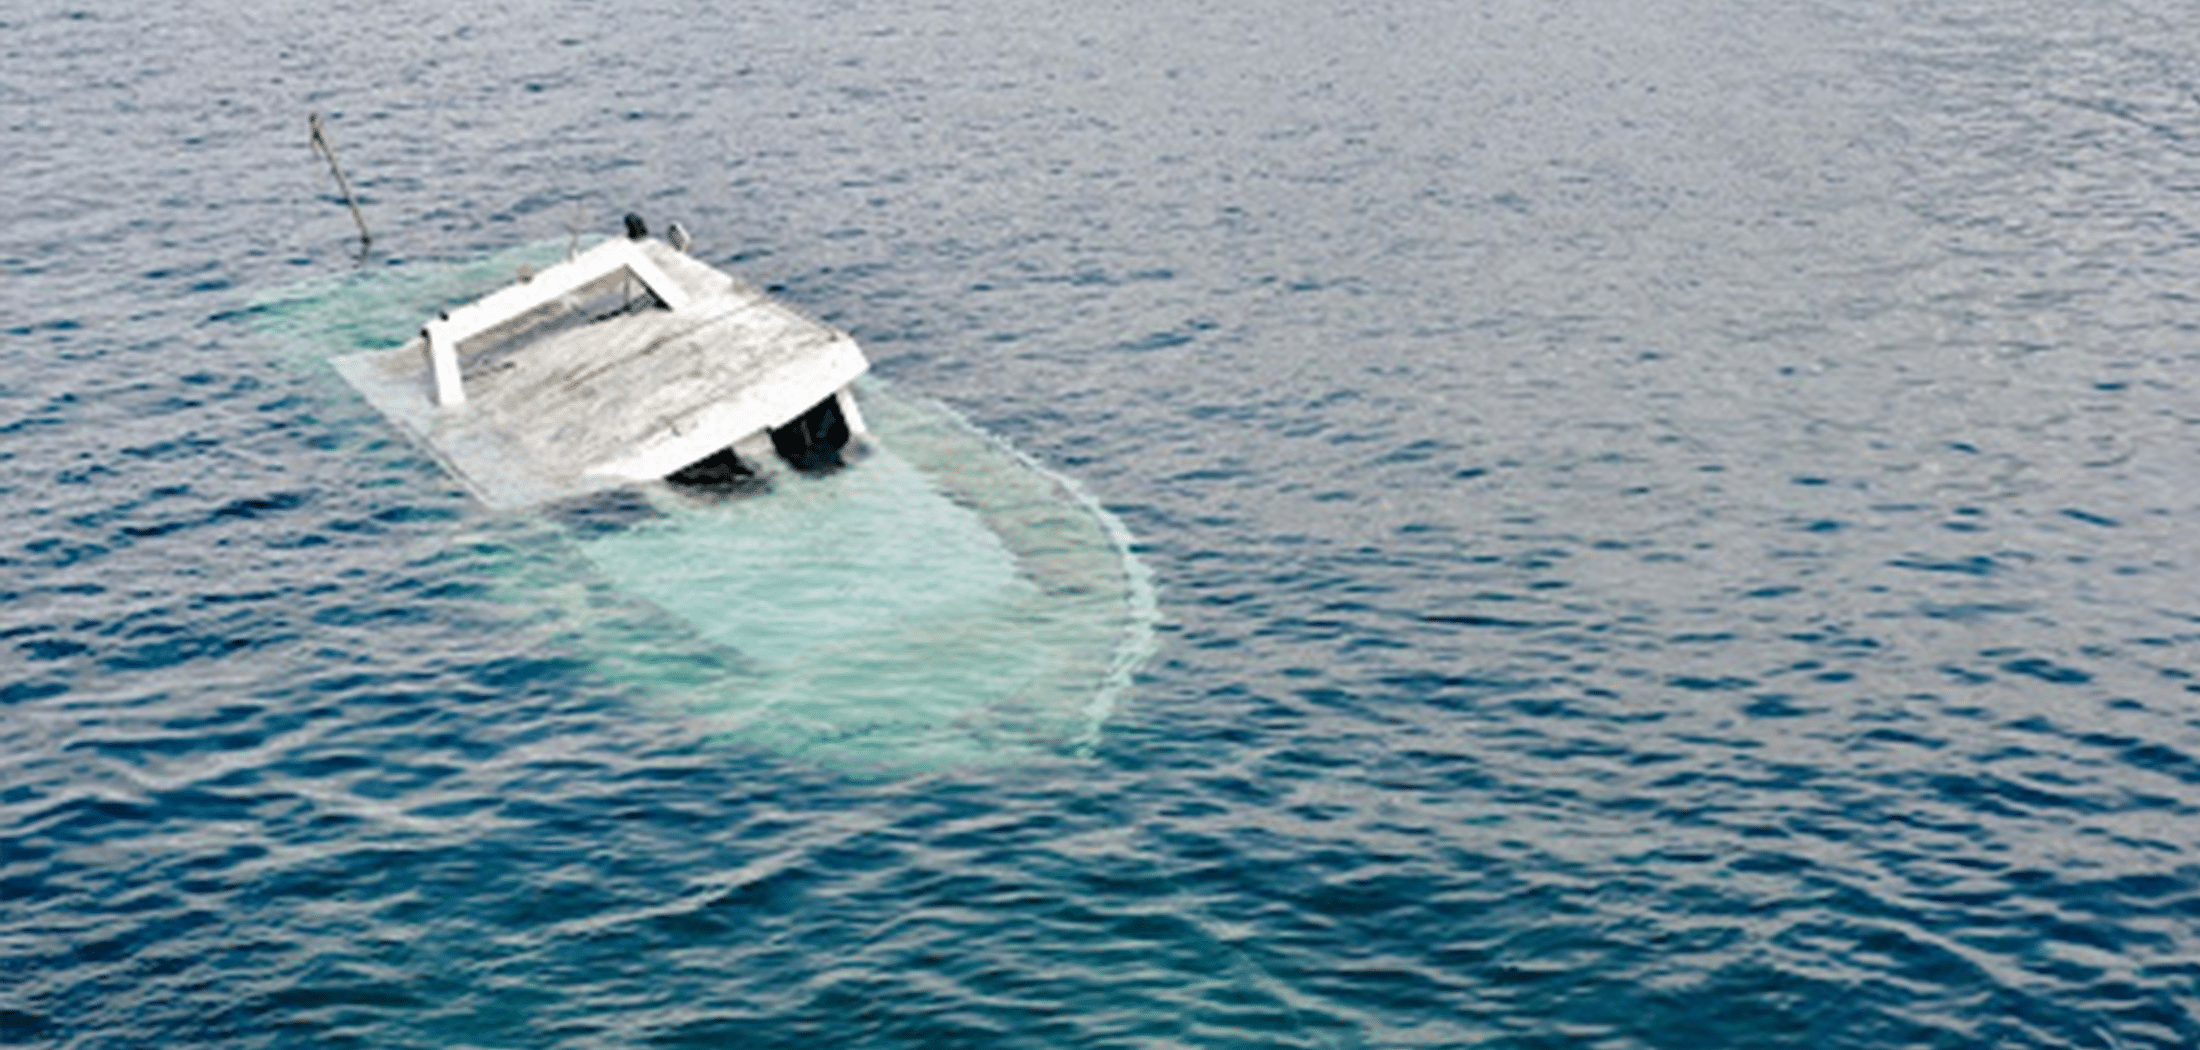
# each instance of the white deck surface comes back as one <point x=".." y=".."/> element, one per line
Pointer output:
<point x="629" y="398"/>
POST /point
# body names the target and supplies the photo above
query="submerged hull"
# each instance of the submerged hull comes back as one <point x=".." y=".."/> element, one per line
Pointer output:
<point x="940" y="601"/>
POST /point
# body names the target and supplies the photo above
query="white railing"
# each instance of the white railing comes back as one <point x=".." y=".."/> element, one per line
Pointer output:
<point x="445" y="333"/>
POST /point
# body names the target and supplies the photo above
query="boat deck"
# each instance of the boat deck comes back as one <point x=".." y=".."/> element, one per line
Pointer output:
<point x="595" y="383"/>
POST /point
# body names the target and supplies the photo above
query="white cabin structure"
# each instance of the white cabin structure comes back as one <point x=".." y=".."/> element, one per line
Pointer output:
<point x="621" y="364"/>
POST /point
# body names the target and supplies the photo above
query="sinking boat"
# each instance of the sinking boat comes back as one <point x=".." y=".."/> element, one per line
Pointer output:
<point x="898" y="591"/>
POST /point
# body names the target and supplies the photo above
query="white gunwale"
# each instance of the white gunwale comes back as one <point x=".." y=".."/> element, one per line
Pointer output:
<point x="604" y="260"/>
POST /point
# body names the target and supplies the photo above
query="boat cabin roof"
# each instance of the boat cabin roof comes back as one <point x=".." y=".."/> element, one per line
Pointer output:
<point x="623" y="363"/>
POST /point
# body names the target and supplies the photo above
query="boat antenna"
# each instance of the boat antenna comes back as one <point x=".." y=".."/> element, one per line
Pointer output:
<point x="322" y="146"/>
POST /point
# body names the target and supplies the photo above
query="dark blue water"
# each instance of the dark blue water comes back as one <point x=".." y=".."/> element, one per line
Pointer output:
<point x="1675" y="526"/>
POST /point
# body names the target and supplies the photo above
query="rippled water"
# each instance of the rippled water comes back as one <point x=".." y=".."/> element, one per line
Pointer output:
<point x="1675" y="527"/>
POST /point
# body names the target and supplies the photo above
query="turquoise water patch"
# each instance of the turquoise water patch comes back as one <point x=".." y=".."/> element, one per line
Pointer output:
<point x="890" y="620"/>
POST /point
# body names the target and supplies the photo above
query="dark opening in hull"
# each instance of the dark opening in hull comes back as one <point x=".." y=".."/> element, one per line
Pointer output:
<point x="814" y="440"/>
<point x="720" y="475"/>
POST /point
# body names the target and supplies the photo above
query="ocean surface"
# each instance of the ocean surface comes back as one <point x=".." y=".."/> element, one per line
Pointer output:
<point x="1674" y="524"/>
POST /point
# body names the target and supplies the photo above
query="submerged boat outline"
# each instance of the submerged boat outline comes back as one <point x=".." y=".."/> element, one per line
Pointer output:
<point x="1035" y="658"/>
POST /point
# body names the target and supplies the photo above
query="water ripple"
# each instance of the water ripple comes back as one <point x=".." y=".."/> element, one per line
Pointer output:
<point x="1683" y="545"/>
